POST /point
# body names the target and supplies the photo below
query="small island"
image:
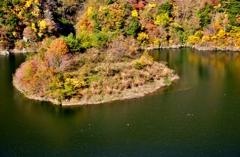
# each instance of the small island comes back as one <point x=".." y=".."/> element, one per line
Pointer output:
<point x="95" y="51"/>
<point x="92" y="77"/>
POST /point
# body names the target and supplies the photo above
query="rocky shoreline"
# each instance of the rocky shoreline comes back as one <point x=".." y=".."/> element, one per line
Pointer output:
<point x="205" y="48"/>
<point x="163" y="47"/>
<point x="4" y="52"/>
<point x="196" y="47"/>
<point x="7" y="52"/>
<point x="132" y="93"/>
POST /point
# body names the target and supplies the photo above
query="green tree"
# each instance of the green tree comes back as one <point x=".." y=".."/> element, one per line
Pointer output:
<point x="233" y="12"/>
<point x="205" y="15"/>
<point x="72" y="43"/>
<point x="133" y="27"/>
<point x="165" y="8"/>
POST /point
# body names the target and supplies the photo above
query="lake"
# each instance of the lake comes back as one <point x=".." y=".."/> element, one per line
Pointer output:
<point x="198" y="116"/>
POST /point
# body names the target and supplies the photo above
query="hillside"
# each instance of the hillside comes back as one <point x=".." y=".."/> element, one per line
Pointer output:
<point x="25" y="23"/>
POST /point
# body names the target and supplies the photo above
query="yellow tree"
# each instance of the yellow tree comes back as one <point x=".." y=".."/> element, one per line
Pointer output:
<point x="58" y="47"/>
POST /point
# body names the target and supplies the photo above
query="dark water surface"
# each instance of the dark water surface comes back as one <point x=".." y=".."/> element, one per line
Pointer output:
<point x="198" y="116"/>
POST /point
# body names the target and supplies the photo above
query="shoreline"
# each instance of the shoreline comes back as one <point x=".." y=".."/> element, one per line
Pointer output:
<point x="205" y="48"/>
<point x="199" y="48"/>
<point x="135" y="92"/>
<point x="16" y="51"/>
<point x="132" y="93"/>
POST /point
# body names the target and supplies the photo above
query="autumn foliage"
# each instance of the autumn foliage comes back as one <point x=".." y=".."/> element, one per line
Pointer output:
<point x="94" y="24"/>
<point x="91" y="48"/>
<point x="58" y="47"/>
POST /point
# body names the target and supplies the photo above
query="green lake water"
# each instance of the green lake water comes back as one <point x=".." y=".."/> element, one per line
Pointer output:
<point x="198" y="116"/>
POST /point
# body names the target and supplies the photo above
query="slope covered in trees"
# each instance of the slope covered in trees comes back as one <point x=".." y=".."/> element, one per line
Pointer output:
<point x="93" y="23"/>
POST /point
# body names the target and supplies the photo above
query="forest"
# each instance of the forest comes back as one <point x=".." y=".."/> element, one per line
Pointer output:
<point x="25" y="24"/>
<point x="79" y="46"/>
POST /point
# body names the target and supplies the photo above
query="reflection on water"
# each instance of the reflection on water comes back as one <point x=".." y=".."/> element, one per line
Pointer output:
<point x="197" y="116"/>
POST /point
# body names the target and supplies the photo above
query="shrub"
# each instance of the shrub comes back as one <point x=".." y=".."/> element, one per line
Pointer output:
<point x="134" y="13"/>
<point x="214" y="38"/>
<point x="167" y="81"/>
<point x="156" y="42"/>
<point x="221" y="34"/>
<point x="142" y="37"/>
<point x="165" y="8"/>
<point x="144" y="60"/>
<point x="42" y="25"/>
<point x="72" y="43"/>
<point x="99" y="39"/>
<point x="133" y="27"/>
<point x="162" y="20"/>
<point x="193" y="39"/>
<point x="85" y="39"/>
<point x="138" y="65"/>
<point x="198" y="34"/>
<point x="58" y="47"/>
<point x="233" y="10"/>
<point x="204" y="14"/>
<point x="205" y="39"/>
